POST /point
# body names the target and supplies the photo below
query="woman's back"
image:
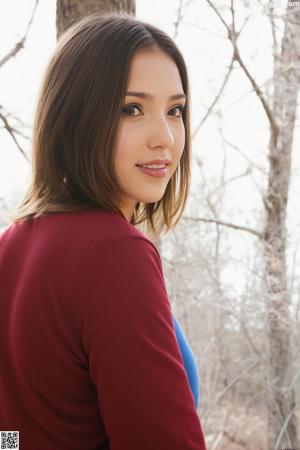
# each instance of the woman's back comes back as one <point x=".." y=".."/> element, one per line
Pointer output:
<point x="88" y="351"/>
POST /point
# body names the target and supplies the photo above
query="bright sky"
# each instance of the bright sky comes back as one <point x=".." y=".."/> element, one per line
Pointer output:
<point x="203" y="42"/>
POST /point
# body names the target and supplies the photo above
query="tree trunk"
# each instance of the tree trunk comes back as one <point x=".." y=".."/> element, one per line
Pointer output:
<point x="69" y="11"/>
<point x="282" y="427"/>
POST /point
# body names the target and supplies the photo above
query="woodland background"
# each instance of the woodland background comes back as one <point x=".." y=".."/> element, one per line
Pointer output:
<point x="232" y="264"/>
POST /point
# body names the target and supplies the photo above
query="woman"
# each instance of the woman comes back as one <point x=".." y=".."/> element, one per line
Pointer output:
<point x="87" y="336"/>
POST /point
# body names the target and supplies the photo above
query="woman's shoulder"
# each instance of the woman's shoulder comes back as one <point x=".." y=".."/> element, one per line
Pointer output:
<point x="101" y="232"/>
<point x="72" y="235"/>
<point x="86" y="227"/>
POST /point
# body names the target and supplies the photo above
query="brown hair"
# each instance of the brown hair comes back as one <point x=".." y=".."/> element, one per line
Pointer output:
<point x="76" y="122"/>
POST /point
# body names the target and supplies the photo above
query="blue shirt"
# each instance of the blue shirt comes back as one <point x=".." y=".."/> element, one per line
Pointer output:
<point x="189" y="361"/>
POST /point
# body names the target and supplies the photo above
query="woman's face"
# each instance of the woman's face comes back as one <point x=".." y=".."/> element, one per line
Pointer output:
<point x="151" y="128"/>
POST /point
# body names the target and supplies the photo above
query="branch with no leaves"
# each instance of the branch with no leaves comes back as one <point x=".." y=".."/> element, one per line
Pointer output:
<point x="221" y="433"/>
<point x="231" y="384"/>
<point x="5" y="117"/>
<point x="225" y="224"/>
<point x="12" y="131"/>
<point x="214" y="102"/>
<point x="21" y="42"/>
<point x="178" y="18"/>
<point x="283" y="429"/>
<point x="233" y="35"/>
<point x="244" y="155"/>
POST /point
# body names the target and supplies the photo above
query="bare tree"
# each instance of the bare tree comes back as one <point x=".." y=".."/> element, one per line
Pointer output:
<point x="281" y="402"/>
<point x="282" y="428"/>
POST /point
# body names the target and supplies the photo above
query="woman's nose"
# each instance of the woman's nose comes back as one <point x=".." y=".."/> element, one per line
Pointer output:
<point x="161" y="134"/>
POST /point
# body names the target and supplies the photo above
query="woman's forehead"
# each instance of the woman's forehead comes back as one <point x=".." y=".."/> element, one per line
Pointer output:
<point x="154" y="69"/>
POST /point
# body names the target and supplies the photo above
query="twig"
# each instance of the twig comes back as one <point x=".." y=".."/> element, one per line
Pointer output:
<point x="11" y="132"/>
<point x="217" y="97"/>
<point x="233" y="35"/>
<point x="15" y="130"/>
<point x="178" y="19"/>
<point x="19" y="45"/>
<point x="283" y="429"/>
<point x="231" y="384"/>
<point x="244" y="155"/>
<point x="225" y="224"/>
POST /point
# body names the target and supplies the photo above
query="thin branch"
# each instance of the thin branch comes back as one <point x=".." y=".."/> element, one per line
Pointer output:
<point x="233" y="35"/>
<point x="178" y="18"/>
<point x="231" y="384"/>
<point x="234" y="440"/>
<point x="17" y="119"/>
<point x="268" y="111"/>
<point x="11" y="132"/>
<point x="4" y="117"/>
<point x="293" y="382"/>
<point x="232" y="14"/>
<point x="261" y="85"/>
<point x="225" y="224"/>
<point x="221" y="433"/>
<point x="230" y="180"/>
<point x="218" y="14"/>
<point x="217" y="97"/>
<point x="283" y="429"/>
<point x="7" y="115"/>
<point x="207" y="30"/>
<point x="294" y="267"/>
<point x="234" y="147"/>
<point x="273" y="28"/>
<point x="249" y="340"/>
<point x="19" y="45"/>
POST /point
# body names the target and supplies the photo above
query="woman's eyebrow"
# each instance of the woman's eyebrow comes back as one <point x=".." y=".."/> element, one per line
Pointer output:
<point x="151" y="97"/>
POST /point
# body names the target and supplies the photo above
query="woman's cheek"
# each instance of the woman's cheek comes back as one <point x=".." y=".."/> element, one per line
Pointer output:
<point x="129" y="137"/>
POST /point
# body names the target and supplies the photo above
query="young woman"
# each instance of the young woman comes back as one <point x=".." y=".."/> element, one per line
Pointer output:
<point x="91" y="357"/>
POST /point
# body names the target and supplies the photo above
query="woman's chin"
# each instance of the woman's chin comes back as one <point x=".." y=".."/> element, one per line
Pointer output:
<point x="151" y="198"/>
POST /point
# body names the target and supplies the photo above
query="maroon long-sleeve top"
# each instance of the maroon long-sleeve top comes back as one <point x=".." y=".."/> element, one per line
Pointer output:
<point x="88" y="353"/>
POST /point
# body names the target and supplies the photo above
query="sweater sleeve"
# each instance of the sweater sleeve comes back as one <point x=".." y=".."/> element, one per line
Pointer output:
<point x="125" y="321"/>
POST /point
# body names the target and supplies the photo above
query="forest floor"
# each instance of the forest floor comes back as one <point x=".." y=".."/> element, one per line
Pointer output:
<point x="236" y="428"/>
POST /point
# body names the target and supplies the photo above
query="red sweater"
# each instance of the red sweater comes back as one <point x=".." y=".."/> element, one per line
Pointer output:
<point x="89" y="357"/>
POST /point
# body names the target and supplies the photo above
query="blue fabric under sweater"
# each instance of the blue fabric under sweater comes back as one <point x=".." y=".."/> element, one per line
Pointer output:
<point x="189" y="361"/>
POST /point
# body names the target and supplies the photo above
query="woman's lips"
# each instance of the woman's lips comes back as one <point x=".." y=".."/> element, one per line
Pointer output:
<point x="154" y="172"/>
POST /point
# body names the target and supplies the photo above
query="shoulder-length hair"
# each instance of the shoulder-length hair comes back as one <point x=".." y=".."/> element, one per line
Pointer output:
<point x="76" y="122"/>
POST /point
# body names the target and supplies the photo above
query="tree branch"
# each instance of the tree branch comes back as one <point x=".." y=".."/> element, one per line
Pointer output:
<point x="283" y="429"/>
<point x="234" y="147"/>
<point x="11" y="131"/>
<point x="19" y="45"/>
<point x="232" y="383"/>
<point x="217" y="97"/>
<point x="225" y="224"/>
<point x="178" y="19"/>
<point x="233" y="34"/>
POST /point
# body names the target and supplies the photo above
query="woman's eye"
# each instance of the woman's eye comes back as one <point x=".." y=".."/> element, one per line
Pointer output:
<point x="180" y="108"/>
<point x="129" y="109"/>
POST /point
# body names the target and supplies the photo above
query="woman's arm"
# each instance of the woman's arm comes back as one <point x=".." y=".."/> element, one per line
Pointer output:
<point x="124" y="317"/>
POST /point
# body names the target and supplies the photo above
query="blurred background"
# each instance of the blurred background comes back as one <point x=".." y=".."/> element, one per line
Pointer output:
<point x="232" y="264"/>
